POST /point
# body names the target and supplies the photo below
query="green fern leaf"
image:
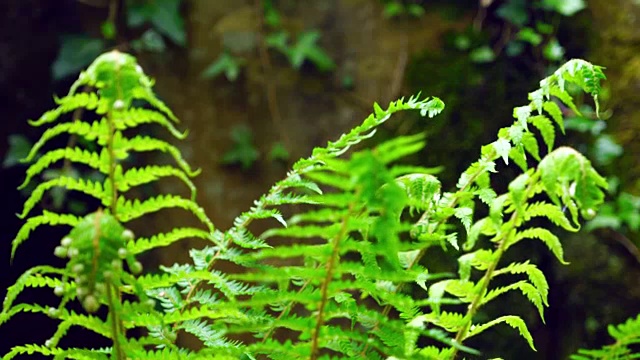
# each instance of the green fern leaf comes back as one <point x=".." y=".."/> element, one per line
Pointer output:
<point x="519" y="157"/>
<point x="139" y="176"/>
<point x="535" y="275"/>
<point x="47" y="218"/>
<point x="450" y="321"/>
<point x="544" y="125"/>
<point x="626" y="336"/>
<point x="551" y="212"/>
<point x="98" y="130"/>
<point x="556" y="113"/>
<point x="530" y="144"/>
<point x="533" y="294"/>
<point x="522" y="114"/>
<point x="144" y="143"/>
<point x="564" y="96"/>
<point x="547" y="237"/>
<point x="88" y="322"/>
<point x="75" y="155"/>
<point x="165" y="239"/>
<point x="92" y="188"/>
<point x="567" y="173"/>
<point x="31" y="349"/>
<point x="514" y="321"/>
<point x="338" y="181"/>
<point x="136" y="116"/>
<point x="34" y="277"/>
<point x="70" y="103"/>
<point x="245" y="239"/>
<point x="399" y="147"/>
<point x="129" y="210"/>
<point x="502" y="148"/>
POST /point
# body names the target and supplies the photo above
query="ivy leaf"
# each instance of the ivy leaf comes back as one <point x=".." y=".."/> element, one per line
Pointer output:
<point x="553" y="50"/>
<point x="482" y="55"/>
<point x="163" y="15"/>
<point x="514" y="11"/>
<point x="227" y="64"/>
<point x="76" y="52"/>
<point x="150" y="41"/>
<point x="278" y="152"/>
<point x="606" y="149"/>
<point x="307" y="48"/>
<point x="529" y="35"/>
<point x="19" y="147"/>
<point x="243" y="151"/>
<point x="564" y="7"/>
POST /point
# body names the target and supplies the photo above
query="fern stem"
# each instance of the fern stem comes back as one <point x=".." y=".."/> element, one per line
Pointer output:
<point x="504" y="240"/>
<point x="324" y="289"/>
<point x="475" y="304"/>
<point x="116" y="326"/>
<point x="112" y="168"/>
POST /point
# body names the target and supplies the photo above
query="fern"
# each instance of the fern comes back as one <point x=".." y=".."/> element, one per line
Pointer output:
<point x="98" y="243"/>
<point x="626" y="345"/>
<point x="345" y="276"/>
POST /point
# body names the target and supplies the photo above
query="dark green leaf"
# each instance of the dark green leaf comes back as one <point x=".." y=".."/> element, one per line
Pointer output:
<point x="76" y="52"/>
<point x="19" y="147"/>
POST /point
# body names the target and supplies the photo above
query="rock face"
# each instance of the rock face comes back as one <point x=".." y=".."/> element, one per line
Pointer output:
<point x="616" y="35"/>
<point x="299" y="108"/>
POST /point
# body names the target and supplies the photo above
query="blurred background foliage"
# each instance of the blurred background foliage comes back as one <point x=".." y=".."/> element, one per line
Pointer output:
<point x="258" y="83"/>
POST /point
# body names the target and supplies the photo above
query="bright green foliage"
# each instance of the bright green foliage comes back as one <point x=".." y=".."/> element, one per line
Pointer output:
<point x="626" y="345"/>
<point x="98" y="243"/>
<point x="347" y="274"/>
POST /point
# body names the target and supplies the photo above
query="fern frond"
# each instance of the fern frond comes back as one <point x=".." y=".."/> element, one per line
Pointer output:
<point x="70" y="103"/>
<point x="547" y="237"/>
<point x="129" y="210"/>
<point x="210" y="337"/>
<point x="551" y="212"/>
<point x="140" y="176"/>
<point x="544" y="125"/>
<point x="33" y="278"/>
<point x="625" y="346"/>
<point x="89" y="187"/>
<point x="47" y="218"/>
<point x="141" y="245"/>
<point x="450" y="321"/>
<point x="89" y="322"/>
<point x="514" y="321"/>
<point x="31" y="349"/>
<point x="534" y="295"/>
<point x="98" y="130"/>
<point x="75" y="155"/>
<point x="137" y="116"/>
<point x="141" y="143"/>
<point x="556" y="113"/>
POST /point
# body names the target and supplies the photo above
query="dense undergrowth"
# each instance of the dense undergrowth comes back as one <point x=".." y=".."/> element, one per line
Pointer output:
<point x="347" y="275"/>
